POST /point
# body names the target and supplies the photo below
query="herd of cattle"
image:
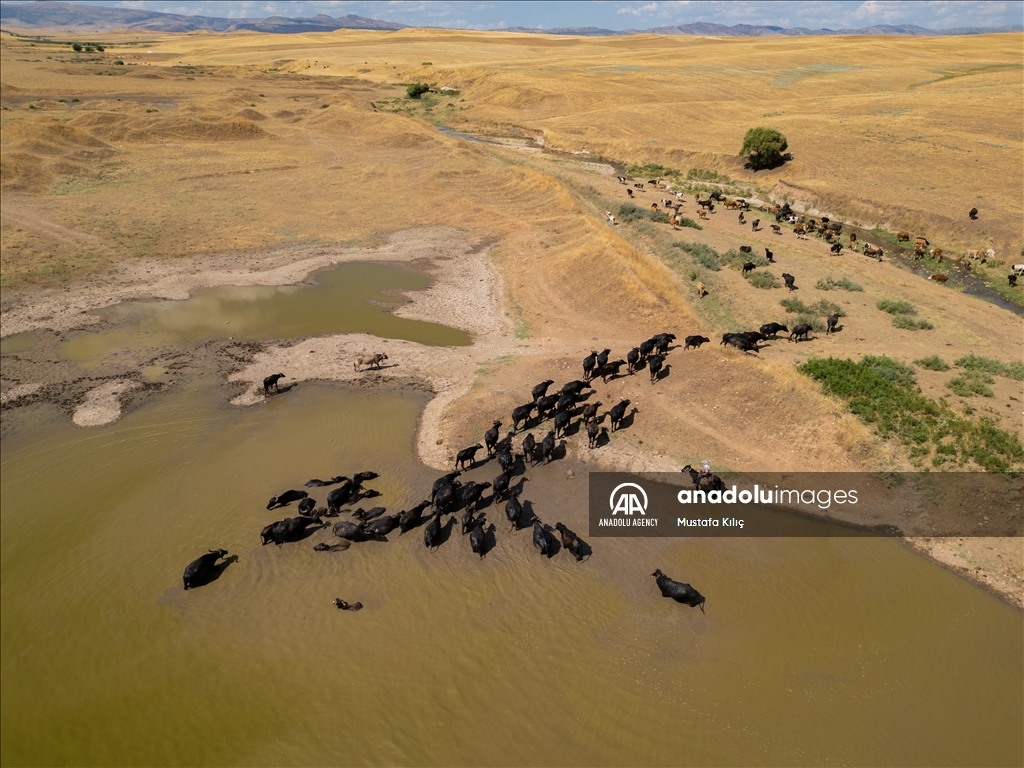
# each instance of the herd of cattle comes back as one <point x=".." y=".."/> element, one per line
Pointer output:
<point x="824" y="227"/>
<point x="449" y="496"/>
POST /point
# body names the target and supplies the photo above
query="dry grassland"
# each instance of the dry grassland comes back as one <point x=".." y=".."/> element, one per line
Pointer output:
<point x="243" y="144"/>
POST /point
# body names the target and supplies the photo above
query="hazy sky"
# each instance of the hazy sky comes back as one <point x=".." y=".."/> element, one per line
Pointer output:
<point x="834" y="14"/>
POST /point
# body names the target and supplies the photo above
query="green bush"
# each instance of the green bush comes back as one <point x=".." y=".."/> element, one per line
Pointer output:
<point x="831" y="284"/>
<point x="702" y="174"/>
<point x="764" y="147"/>
<point x="910" y="324"/>
<point x="932" y="363"/>
<point x="629" y="212"/>
<point x="897" y="307"/>
<point x="76" y="47"/>
<point x="651" y="171"/>
<point x="703" y="254"/>
<point x="968" y="385"/>
<point x="762" y="279"/>
<point x="416" y="90"/>
<point x="794" y="305"/>
<point x="881" y="392"/>
<point x="824" y="307"/>
<point x="978" y="364"/>
<point x="687" y="222"/>
<point x="736" y="260"/>
<point x="119" y="62"/>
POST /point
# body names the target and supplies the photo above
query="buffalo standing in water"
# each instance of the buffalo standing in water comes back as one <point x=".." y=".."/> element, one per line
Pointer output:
<point x="681" y="593"/>
<point x="202" y="570"/>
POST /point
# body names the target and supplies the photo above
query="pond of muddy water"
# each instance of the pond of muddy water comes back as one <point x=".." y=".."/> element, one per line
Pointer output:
<point x="351" y="297"/>
<point x="812" y="651"/>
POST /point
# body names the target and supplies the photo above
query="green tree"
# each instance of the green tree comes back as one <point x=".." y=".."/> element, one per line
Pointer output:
<point x="77" y="47"/>
<point x="417" y="89"/>
<point x="764" y="147"/>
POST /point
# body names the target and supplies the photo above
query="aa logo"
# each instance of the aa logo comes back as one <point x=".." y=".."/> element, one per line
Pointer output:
<point x="627" y="502"/>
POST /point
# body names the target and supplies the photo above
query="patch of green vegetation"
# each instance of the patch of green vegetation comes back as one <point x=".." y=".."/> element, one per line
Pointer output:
<point x="629" y="213"/>
<point x="843" y="284"/>
<point x="795" y="305"/>
<point x="652" y="171"/>
<point x="322" y="106"/>
<point x="905" y="323"/>
<point x="427" y="64"/>
<point x="971" y="384"/>
<point x="736" y="260"/>
<point x="762" y="279"/>
<point x="416" y="90"/>
<point x="703" y="174"/>
<point x="825" y="307"/>
<point x="897" y="307"/>
<point x="932" y="363"/>
<point x="703" y="254"/>
<point x="881" y="392"/>
<point x="987" y="365"/>
<point x="687" y="222"/>
<point x="522" y="330"/>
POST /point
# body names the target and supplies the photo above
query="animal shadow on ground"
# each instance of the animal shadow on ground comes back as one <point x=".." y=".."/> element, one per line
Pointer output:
<point x="837" y="329"/>
<point x="281" y="390"/>
<point x="446" y="531"/>
<point x="527" y="518"/>
<point x="554" y="544"/>
<point x="664" y="372"/>
<point x="490" y="542"/>
<point x="214" y="573"/>
<point x="627" y="420"/>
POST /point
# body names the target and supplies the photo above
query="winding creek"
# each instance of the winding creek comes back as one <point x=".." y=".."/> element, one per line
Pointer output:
<point x="812" y="651"/>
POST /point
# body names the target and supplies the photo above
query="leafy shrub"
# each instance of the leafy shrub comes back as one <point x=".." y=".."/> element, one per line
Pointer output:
<point x="831" y="284"/>
<point x="687" y="222"/>
<point x="879" y="391"/>
<point x="932" y="363"/>
<point x="76" y="47"/>
<point x="890" y="369"/>
<point x="897" y="307"/>
<point x="427" y="64"/>
<point x="703" y="254"/>
<point x="703" y="174"/>
<point x="651" y="171"/>
<point x="762" y="279"/>
<point x="322" y="106"/>
<point x="824" y="307"/>
<point x="119" y="62"/>
<point x="629" y="212"/>
<point x="416" y="90"/>
<point x="795" y="305"/>
<point x="968" y="385"/>
<point x="910" y="324"/>
<point x="736" y="259"/>
<point x="979" y="364"/>
<point x="99" y="48"/>
<point x="764" y="147"/>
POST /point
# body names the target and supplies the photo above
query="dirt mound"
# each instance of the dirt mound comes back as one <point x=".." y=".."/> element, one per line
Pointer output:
<point x="197" y="129"/>
<point x="251" y="114"/>
<point x="283" y="114"/>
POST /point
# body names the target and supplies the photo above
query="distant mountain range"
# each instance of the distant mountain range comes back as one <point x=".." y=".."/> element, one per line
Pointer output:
<point x="98" y="18"/>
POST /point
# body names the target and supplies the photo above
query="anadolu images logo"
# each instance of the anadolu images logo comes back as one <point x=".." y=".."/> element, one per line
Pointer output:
<point x="626" y="502"/>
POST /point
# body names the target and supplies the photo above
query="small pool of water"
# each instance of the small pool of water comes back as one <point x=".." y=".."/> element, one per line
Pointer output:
<point x="353" y="297"/>
<point x="19" y="342"/>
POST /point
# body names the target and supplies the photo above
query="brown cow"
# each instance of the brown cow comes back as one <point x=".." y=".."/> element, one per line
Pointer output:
<point x="902" y="237"/>
<point x="940" y="278"/>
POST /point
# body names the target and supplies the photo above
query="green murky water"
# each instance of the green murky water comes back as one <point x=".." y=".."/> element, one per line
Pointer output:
<point x="19" y="342"/>
<point x="349" y="298"/>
